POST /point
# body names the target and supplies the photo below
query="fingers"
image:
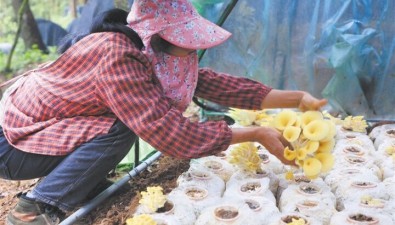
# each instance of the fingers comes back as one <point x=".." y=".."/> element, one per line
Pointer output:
<point x="275" y="143"/>
<point x="320" y="103"/>
<point x="278" y="150"/>
<point x="311" y="103"/>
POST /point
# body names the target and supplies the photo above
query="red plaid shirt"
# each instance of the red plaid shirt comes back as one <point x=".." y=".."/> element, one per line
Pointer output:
<point x="104" y="77"/>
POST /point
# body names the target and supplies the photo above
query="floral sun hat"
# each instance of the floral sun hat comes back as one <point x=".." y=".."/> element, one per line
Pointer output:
<point x="177" y="22"/>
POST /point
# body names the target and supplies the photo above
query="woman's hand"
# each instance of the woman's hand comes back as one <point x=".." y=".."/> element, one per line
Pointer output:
<point x="308" y="102"/>
<point x="273" y="141"/>
<point x="292" y="99"/>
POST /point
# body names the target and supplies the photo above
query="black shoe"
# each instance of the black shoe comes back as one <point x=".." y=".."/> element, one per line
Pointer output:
<point x="31" y="212"/>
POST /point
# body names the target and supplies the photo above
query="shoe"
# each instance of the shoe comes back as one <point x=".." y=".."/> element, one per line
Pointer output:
<point x="103" y="185"/>
<point x="31" y="212"/>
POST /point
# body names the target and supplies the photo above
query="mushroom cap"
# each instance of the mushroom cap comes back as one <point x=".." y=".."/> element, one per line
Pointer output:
<point x="316" y="130"/>
<point x="291" y="133"/>
<point x="284" y="119"/>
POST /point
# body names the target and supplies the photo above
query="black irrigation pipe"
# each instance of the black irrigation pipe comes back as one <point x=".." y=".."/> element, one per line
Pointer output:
<point x="109" y="191"/>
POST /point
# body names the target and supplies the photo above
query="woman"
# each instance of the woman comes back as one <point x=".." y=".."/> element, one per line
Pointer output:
<point x="74" y="119"/>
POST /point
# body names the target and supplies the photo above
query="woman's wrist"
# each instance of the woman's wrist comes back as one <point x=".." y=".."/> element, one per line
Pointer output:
<point x="246" y="134"/>
<point x="282" y="99"/>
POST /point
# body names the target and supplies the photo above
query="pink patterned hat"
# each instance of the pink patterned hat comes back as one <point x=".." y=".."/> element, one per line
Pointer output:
<point x="177" y="22"/>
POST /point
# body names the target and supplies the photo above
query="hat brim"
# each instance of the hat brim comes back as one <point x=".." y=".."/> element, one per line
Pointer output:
<point x="197" y="33"/>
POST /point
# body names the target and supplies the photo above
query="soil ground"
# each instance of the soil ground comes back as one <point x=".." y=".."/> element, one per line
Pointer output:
<point x="116" y="209"/>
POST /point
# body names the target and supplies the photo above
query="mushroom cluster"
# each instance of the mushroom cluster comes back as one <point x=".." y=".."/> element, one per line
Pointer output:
<point x="311" y="137"/>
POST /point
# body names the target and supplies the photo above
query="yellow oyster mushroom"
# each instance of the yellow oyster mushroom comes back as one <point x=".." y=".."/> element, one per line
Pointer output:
<point x="284" y="119"/>
<point x="332" y="130"/>
<point x="312" y="167"/>
<point x="242" y="116"/>
<point x="153" y="198"/>
<point x="366" y="198"/>
<point x="357" y="124"/>
<point x="316" y="130"/>
<point x="301" y="154"/>
<point x="327" y="161"/>
<point x="390" y="150"/>
<point x="376" y="202"/>
<point x="326" y="146"/>
<point x="289" y="154"/>
<point x="291" y="133"/>
<point x="299" y="162"/>
<point x="299" y="221"/>
<point x="246" y="157"/>
<point x="262" y="114"/>
<point x="310" y="116"/>
<point x="142" y="219"/>
<point x="311" y="146"/>
<point x="298" y="122"/>
<point x="335" y="120"/>
<point x="289" y="175"/>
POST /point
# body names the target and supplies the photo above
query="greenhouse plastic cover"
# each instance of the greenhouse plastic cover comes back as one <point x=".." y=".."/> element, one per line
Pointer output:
<point x="342" y="50"/>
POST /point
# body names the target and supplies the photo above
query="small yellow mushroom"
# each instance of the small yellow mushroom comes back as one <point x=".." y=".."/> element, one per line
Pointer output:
<point x="301" y="154"/>
<point x="316" y="130"/>
<point x="310" y="116"/>
<point x="327" y="160"/>
<point x="142" y="219"/>
<point x="242" y="116"/>
<point x="311" y="146"/>
<point x="390" y="150"/>
<point x="153" y="198"/>
<point x="299" y="162"/>
<point x="291" y="133"/>
<point x="284" y="119"/>
<point x="366" y="198"/>
<point x="312" y="167"/>
<point x="299" y="221"/>
<point x="326" y="146"/>
<point x="246" y="157"/>
<point x="289" y="175"/>
<point x="298" y="121"/>
<point x="332" y="130"/>
<point x="289" y="154"/>
<point x="376" y="202"/>
<point x="357" y="124"/>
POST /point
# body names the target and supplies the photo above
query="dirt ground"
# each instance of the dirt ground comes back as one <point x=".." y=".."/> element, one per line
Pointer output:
<point x="115" y="210"/>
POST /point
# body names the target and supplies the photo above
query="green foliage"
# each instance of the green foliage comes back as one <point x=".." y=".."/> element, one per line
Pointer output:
<point x="8" y="22"/>
<point x="25" y="58"/>
<point x="54" y="10"/>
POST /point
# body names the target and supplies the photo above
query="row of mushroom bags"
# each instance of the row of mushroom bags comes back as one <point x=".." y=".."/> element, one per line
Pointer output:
<point x="358" y="189"/>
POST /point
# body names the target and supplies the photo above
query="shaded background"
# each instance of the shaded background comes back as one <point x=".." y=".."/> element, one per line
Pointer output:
<point x="339" y="49"/>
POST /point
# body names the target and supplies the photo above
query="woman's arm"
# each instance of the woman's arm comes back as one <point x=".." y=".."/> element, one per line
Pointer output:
<point x="292" y="99"/>
<point x="231" y="91"/>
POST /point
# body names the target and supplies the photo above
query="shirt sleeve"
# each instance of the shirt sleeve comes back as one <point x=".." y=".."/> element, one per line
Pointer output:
<point x="231" y="91"/>
<point x="126" y="86"/>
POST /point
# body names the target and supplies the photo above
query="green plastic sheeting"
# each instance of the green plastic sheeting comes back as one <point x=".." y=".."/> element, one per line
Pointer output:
<point x="127" y="163"/>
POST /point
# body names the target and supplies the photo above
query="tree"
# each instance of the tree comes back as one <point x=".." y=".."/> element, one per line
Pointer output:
<point x="29" y="32"/>
<point x="18" y="32"/>
<point x="73" y="8"/>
